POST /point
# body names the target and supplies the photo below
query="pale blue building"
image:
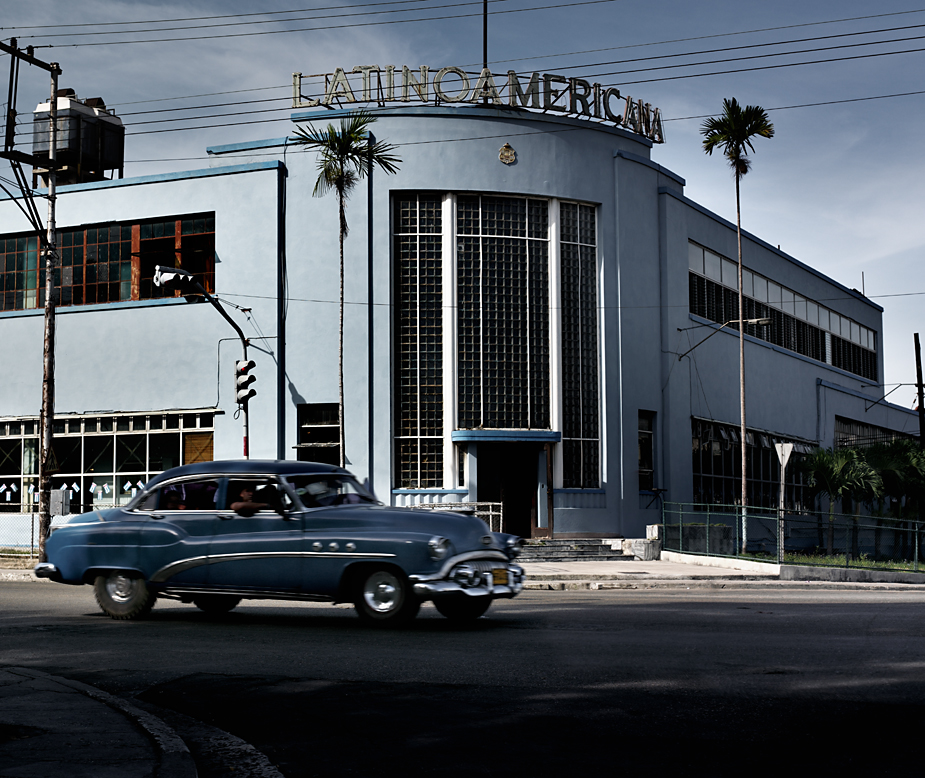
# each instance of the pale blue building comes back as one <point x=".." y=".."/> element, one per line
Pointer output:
<point x="518" y="296"/>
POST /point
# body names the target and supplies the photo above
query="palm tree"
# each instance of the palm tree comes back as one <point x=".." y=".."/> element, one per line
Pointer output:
<point x="733" y="133"/>
<point x="838" y="473"/>
<point x="345" y="155"/>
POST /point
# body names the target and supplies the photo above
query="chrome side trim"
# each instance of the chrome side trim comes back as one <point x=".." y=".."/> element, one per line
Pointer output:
<point x="178" y="567"/>
<point x="450" y="563"/>
<point x="187" y="564"/>
<point x="246" y="594"/>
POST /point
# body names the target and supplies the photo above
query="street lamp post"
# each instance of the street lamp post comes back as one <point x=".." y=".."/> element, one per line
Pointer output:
<point x="741" y="325"/>
<point x="177" y="278"/>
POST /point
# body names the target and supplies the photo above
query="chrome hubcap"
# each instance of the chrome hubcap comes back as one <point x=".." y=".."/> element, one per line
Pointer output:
<point x="382" y="592"/>
<point x="120" y="587"/>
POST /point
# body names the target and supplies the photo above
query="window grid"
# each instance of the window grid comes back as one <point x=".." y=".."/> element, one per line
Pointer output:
<point x="580" y="397"/>
<point x="503" y="312"/>
<point x="717" y="467"/>
<point x="720" y="304"/>
<point x="107" y="263"/>
<point x="101" y="459"/>
<point x="418" y="250"/>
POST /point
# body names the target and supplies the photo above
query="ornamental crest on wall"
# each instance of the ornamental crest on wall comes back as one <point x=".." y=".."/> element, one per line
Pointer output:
<point x="507" y="154"/>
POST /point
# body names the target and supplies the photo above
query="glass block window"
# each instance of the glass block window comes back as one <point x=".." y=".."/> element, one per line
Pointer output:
<point x="106" y="263"/>
<point x="418" y="235"/>
<point x="502" y="312"/>
<point x="580" y="396"/>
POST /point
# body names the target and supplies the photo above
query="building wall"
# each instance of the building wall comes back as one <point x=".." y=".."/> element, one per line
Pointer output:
<point x="170" y="354"/>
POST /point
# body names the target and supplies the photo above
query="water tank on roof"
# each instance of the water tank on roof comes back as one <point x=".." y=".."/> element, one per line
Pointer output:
<point x="90" y="139"/>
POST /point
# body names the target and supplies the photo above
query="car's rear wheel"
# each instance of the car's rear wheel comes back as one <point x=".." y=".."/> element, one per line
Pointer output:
<point x="384" y="598"/>
<point x="123" y="595"/>
<point x="463" y="608"/>
<point x="216" y="603"/>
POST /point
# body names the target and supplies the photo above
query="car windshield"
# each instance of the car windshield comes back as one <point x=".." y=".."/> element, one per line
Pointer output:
<point x="323" y="489"/>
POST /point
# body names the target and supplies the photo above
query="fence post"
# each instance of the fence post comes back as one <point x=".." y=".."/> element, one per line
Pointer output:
<point x="847" y="545"/>
<point x="915" y="563"/>
<point x="32" y="535"/>
<point x="681" y="527"/>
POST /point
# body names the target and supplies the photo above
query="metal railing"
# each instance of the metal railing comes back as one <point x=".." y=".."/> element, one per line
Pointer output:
<point x="489" y="512"/>
<point x="797" y="538"/>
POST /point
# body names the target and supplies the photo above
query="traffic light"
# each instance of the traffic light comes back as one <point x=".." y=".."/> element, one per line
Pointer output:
<point x="243" y="380"/>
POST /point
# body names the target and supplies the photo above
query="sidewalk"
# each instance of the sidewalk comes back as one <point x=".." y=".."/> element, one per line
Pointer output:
<point x="678" y="571"/>
<point x="52" y="727"/>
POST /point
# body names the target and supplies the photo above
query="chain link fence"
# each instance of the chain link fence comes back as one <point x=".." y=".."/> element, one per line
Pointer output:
<point x="798" y="538"/>
<point x="19" y="536"/>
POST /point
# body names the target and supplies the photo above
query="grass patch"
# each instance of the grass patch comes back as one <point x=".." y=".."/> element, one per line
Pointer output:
<point x="17" y="559"/>
<point x="864" y="562"/>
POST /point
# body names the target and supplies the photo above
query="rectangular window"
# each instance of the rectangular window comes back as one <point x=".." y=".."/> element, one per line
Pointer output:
<point x="418" y="235"/>
<point x="319" y="433"/>
<point x="646" y="451"/>
<point x="578" y="273"/>
<point x="797" y="324"/>
<point x="107" y="263"/>
<point x="102" y="461"/>
<point x="717" y="468"/>
<point x="503" y="312"/>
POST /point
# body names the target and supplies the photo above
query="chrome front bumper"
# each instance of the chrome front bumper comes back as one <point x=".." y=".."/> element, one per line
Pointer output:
<point x="46" y="570"/>
<point x="486" y="587"/>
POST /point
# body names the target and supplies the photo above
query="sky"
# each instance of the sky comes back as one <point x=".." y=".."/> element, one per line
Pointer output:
<point x="838" y="187"/>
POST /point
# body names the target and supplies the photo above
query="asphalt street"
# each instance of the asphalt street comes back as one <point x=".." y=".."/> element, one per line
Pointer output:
<point x="705" y="682"/>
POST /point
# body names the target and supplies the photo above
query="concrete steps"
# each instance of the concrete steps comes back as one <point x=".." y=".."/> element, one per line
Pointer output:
<point x="577" y="550"/>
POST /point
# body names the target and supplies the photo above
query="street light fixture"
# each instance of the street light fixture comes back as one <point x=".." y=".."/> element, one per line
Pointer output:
<point x="759" y="322"/>
<point x="178" y="278"/>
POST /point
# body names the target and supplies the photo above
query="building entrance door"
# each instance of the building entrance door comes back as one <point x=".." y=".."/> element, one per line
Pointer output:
<point x="507" y="473"/>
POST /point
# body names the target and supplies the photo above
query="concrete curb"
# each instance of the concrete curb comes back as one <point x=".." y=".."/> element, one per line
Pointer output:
<point x="718" y="583"/>
<point x="9" y="574"/>
<point x="174" y="757"/>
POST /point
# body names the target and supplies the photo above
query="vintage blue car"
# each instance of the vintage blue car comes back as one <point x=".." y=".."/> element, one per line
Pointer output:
<point x="215" y="533"/>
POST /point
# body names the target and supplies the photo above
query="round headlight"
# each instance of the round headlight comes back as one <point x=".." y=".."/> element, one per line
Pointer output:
<point x="514" y="545"/>
<point x="438" y="547"/>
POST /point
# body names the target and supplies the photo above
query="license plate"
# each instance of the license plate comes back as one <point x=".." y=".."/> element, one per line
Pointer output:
<point x="499" y="576"/>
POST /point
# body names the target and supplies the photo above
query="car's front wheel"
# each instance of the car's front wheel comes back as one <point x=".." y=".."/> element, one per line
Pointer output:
<point x="122" y="595"/>
<point x="216" y="603"/>
<point x="463" y="608"/>
<point x="384" y="598"/>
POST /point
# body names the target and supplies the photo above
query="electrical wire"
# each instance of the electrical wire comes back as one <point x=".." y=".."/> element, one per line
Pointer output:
<point x="220" y="16"/>
<point x="272" y="21"/>
<point x="200" y="38"/>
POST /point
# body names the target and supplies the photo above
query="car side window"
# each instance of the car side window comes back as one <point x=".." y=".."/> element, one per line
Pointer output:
<point x="246" y="496"/>
<point x="182" y="496"/>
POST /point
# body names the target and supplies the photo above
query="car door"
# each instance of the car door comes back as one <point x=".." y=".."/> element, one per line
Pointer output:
<point x="174" y="544"/>
<point x="257" y="543"/>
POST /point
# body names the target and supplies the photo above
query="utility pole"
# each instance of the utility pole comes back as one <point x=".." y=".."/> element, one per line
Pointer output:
<point x="47" y="464"/>
<point x="919" y="387"/>
<point x="49" y="250"/>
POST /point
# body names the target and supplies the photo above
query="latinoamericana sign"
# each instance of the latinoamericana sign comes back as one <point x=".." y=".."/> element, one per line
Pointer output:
<point x="541" y="91"/>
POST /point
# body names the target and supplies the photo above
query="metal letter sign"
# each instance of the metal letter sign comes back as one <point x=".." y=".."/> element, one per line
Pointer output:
<point x="543" y="91"/>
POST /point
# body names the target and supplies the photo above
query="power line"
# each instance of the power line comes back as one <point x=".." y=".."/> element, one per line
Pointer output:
<point x="546" y="56"/>
<point x="199" y="38"/>
<point x="707" y="37"/>
<point x="272" y="21"/>
<point x="205" y="18"/>
<point x="749" y="56"/>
